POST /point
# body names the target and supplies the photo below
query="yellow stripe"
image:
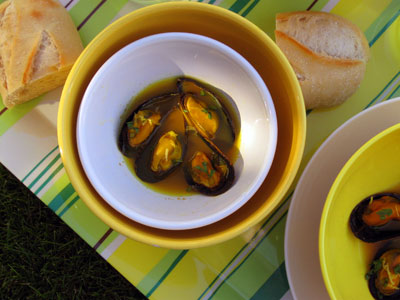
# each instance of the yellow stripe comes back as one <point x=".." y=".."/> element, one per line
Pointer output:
<point x="361" y="12"/>
<point x="208" y="261"/>
<point x="134" y="260"/>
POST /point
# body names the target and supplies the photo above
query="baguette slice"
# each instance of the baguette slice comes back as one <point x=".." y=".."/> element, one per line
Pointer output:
<point x="38" y="46"/>
<point x="327" y="52"/>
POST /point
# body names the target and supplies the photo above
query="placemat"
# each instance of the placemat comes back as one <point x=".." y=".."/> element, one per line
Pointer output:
<point x="250" y="266"/>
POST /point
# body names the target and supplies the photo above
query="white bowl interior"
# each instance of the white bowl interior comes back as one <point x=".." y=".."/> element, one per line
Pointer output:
<point x="146" y="61"/>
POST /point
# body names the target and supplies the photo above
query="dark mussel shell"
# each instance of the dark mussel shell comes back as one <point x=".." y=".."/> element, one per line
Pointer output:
<point x="219" y="163"/>
<point x="211" y="105"/>
<point x="374" y="282"/>
<point x="371" y="234"/>
<point x="160" y="105"/>
<point x="175" y="122"/>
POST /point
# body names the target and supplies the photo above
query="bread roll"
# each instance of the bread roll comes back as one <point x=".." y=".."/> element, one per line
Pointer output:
<point x="38" y="46"/>
<point x="327" y="52"/>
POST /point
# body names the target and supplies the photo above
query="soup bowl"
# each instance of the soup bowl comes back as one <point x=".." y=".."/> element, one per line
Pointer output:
<point x="246" y="39"/>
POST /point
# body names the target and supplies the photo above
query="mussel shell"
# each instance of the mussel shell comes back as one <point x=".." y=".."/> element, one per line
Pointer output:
<point x="175" y="121"/>
<point x="194" y="141"/>
<point x="393" y="244"/>
<point x="162" y="104"/>
<point x="225" y="135"/>
<point x="371" y="234"/>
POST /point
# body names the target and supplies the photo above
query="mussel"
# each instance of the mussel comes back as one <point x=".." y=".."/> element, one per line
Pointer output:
<point x="140" y="126"/>
<point x="384" y="272"/>
<point x="376" y="218"/>
<point x="165" y="150"/>
<point x="189" y="128"/>
<point x="206" y="169"/>
<point x="204" y="111"/>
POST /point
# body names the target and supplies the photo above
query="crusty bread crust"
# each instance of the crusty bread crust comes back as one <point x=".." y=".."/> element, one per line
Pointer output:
<point x="327" y="52"/>
<point x="38" y="46"/>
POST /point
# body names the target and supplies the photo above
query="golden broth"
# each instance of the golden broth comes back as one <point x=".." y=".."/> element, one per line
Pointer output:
<point x="175" y="183"/>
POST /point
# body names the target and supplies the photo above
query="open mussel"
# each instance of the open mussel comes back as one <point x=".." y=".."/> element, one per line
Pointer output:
<point x="384" y="273"/>
<point x="206" y="168"/>
<point x="140" y="126"/>
<point x="376" y="218"/>
<point x="204" y="111"/>
<point x="165" y="151"/>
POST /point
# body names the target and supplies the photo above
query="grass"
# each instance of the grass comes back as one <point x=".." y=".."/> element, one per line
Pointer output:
<point x="42" y="258"/>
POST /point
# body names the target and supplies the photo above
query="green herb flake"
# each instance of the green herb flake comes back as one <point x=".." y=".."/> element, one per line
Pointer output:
<point x="202" y="93"/>
<point x="204" y="110"/>
<point x="383" y="213"/>
<point x="376" y="265"/>
<point x="385" y="282"/>
<point x="213" y="108"/>
<point x="211" y="173"/>
<point x="185" y="110"/>
<point x="397" y="269"/>
<point x="132" y="134"/>
<point x="129" y="124"/>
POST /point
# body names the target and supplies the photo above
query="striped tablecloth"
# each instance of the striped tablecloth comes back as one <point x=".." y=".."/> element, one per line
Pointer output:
<point x="250" y="266"/>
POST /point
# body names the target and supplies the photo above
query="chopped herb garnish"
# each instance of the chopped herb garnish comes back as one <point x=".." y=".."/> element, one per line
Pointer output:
<point x="213" y="108"/>
<point x="202" y="93"/>
<point x="383" y="213"/>
<point x="207" y="112"/>
<point x="132" y="134"/>
<point x="397" y="269"/>
<point x="136" y="129"/>
<point x="185" y="110"/>
<point x="376" y="265"/>
<point x="129" y="124"/>
<point x="385" y="282"/>
<point x="211" y="173"/>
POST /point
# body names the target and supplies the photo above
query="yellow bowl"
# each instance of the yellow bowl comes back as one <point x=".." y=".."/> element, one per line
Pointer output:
<point x="344" y="259"/>
<point x="245" y="38"/>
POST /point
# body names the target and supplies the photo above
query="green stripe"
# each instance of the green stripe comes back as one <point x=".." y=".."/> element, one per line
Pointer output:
<point x="38" y="164"/>
<point x="383" y="19"/>
<point x="174" y="263"/>
<point x="394" y="92"/>
<point x="247" y="244"/>
<point x="54" y="173"/>
<point x="239" y="5"/>
<point x="387" y="25"/>
<point x="383" y="90"/>
<point x="275" y="287"/>
<point x="55" y="159"/>
<point x="151" y="279"/>
<point x="247" y="280"/>
<point x="68" y="206"/>
<point x="100" y="19"/>
<point x="59" y="200"/>
<point x="246" y="12"/>
<point x="13" y="115"/>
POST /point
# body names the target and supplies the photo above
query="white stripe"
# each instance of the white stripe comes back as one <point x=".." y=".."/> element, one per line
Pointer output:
<point x="110" y="249"/>
<point x="330" y="5"/>
<point x="287" y="296"/>
<point x="387" y="91"/>
<point x="218" y="2"/>
<point x="247" y="250"/>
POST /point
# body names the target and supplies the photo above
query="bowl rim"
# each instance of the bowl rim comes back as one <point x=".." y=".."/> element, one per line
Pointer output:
<point x="265" y="100"/>
<point x="330" y="198"/>
<point x="288" y="175"/>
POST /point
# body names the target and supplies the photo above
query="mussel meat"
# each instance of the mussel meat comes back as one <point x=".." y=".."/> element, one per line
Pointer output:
<point x="206" y="169"/>
<point x="139" y="127"/>
<point x="204" y="111"/>
<point x="384" y="273"/>
<point x="165" y="151"/>
<point x="376" y="218"/>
